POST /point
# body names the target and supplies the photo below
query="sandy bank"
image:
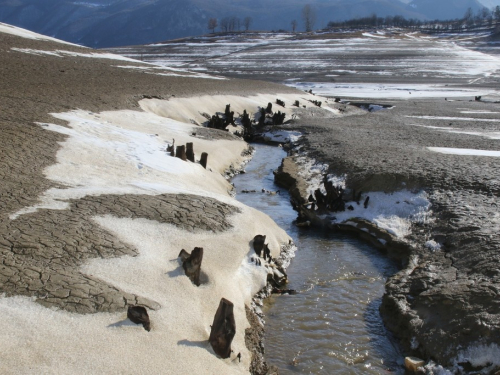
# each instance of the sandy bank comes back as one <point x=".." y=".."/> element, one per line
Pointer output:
<point x="95" y="212"/>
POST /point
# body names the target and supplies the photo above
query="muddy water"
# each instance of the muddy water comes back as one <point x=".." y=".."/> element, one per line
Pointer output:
<point x="332" y="326"/>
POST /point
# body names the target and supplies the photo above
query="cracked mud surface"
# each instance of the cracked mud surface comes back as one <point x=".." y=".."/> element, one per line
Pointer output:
<point x="40" y="253"/>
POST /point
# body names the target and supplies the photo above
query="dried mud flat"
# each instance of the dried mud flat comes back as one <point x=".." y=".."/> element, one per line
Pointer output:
<point x="440" y="300"/>
<point x="42" y="252"/>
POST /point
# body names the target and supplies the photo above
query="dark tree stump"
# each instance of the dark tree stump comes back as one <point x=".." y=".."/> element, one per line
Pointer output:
<point x="184" y="255"/>
<point x="262" y="118"/>
<point x="190" y="151"/>
<point x="180" y="152"/>
<point x="192" y="264"/>
<point x="139" y="315"/>
<point x="267" y="252"/>
<point x="223" y="329"/>
<point x="258" y="243"/>
<point x="269" y="108"/>
<point x="203" y="159"/>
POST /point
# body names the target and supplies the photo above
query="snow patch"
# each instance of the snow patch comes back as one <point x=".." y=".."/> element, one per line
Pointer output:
<point x="13" y="30"/>
<point x="283" y="136"/>
<point x="62" y="53"/>
<point x="433" y="245"/>
<point x="464" y="151"/>
<point x="394" y="212"/>
<point x="124" y="152"/>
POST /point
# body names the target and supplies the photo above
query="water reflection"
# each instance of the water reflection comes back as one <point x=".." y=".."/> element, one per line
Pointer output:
<point x="332" y="326"/>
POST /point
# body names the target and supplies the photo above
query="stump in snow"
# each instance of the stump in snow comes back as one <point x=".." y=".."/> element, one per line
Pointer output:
<point x="139" y="315"/>
<point x="203" y="159"/>
<point x="267" y="252"/>
<point x="192" y="264"/>
<point x="223" y="329"/>
<point x="171" y="149"/>
<point x="262" y="118"/>
<point x="184" y="255"/>
<point x="269" y="108"/>
<point x="190" y="151"/>
<point x="180" y="152"/>
<point x="258" y="243"/>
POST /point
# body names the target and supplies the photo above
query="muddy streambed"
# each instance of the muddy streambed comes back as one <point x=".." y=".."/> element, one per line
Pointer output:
<point x="332" y="325"/>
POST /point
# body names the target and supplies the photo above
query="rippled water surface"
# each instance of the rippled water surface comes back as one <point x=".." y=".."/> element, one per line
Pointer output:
<point x="332" y="326"/>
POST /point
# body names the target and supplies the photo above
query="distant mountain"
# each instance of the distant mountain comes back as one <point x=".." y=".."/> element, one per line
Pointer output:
<point x="490" y="3"/>
<point x="108" y="23"/>
<point x="445" y="9"/>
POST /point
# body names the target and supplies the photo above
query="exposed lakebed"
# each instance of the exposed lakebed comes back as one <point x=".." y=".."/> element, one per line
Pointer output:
<point x="332" y="325"/>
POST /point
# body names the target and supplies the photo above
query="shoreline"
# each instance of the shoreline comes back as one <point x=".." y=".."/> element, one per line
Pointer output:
<point x="92" y="231"/>
<point x="427" y="250"/>
<point x="96" y="212"/>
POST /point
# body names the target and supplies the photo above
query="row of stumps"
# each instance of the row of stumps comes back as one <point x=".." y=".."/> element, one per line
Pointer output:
<point x="186" y="152"/>
<point x="223" y="327"/>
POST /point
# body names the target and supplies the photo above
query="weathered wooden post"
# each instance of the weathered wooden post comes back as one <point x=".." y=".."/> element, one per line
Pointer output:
<point x="139" y="315"/>
<point x="223" y="329"/>
<point x="203" y="160"/>
<point x="180" y="152"/>
<point x="190" y="151"/>
<point x="192" y="264"/>
<point x="258" y="243"/>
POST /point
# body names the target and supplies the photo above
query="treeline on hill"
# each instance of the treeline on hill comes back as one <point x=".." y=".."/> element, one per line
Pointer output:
<point x="229" y="24"/>
<point x="484" y="19"/>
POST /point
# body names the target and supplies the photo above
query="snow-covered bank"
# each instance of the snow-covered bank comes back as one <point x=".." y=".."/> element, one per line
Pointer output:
<point x="393" y="212"/>
<point x="56" y="341"/>
<point x="190" y="110"/>
<point x="124" y="153"/>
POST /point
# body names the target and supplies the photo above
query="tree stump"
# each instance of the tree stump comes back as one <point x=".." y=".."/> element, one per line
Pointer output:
<point x="223" y="329"/>
<point x="203" y="159"/>
<point x="139" y="315"/>
<point x="269" y="108"/>
<point x="190" y="151"/>
<point x="184" y="255"/>
<point x="180" y="152"/>
<point x="192" y="264"/>
<point x="258" y="243"/>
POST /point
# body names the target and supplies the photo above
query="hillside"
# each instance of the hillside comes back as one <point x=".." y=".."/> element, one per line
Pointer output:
<point x="107" y="23"/>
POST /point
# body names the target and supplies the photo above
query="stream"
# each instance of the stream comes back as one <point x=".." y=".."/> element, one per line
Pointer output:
<point x="333" y="325"/>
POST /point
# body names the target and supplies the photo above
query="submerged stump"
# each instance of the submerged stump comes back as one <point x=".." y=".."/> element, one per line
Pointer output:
<point x="223" y="329"/>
